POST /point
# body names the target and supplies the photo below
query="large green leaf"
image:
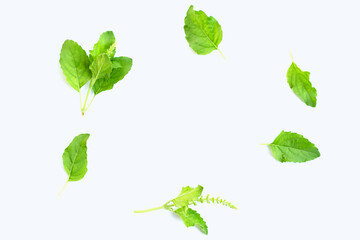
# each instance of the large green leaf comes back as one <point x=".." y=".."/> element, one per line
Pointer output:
<point x="106" y="44"/>
<point x="203" y="33"/>
<point x="192" y="218"/>
<point x="101" y="67"/>
<point x="187" y="195"/>
<point x="293" y="147"/>
<point x="75" y="64"/>
<point x="299" y="82"/>
<point x="121" y="67"/>
<point x="75" y="158"/>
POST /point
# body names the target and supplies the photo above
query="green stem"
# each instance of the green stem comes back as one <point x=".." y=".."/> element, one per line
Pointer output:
<point x="83" y="109"/>
<point x="264" y="144"/>
<point x="292" y="59"/>
<point x="63" y="187"/>
<point x="148" y="210"/>
<point x="89" y="103"/>
<point x="222" y="54"/>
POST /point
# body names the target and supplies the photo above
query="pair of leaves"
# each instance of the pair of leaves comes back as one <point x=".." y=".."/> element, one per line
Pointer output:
<point x="189" y="216"/>
<point x="293" y="147"/>
<point x="101" y="68"/>
<point x="203" y="33"/>
<point x="75" y="158"/>
<point x="180" y="206"/>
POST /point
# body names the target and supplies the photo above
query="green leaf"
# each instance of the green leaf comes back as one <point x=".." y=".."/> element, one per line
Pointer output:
<point x="75" y="158"/>
<point x="299" y="82"/>
<point x="106" y="45"/>
<point x="75" y="64"/>
<point x="192" y="218"/>
<point x="293" y="147"/>
<point x="115" y="62"/>
<point x="203" y="33"/>
<point x="101" y="67"/>
<point x="179" y="205"/>
<point x="187" y="195"/>
<point x="120" y="67"/>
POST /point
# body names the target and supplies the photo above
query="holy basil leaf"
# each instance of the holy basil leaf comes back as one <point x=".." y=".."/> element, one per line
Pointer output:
<point x="187" y="195"/>
<point x="120" y="67"/>
<point x="299" y="82"/>
<point x="75" y="158"/>
<point x="293" y="147"/>
<point x="180" y="205"/>
<point x="192" y="218"/>
<point x="203" y="33"/>
<point x="101" y="67"/>
<point x="75" y="64"/>
<point x="106" y="45"/>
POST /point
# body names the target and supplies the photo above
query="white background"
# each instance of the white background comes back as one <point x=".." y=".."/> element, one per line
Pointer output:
<point x="180" y="119"/>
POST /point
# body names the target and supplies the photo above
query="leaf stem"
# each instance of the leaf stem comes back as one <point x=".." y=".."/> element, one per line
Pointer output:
<point x="148" y="210"/>
<point x="221" y="54"/>
<point x="63" y="187"/>
<point x="83" y="109"/>
<point x="264" y="144"/>
<point x="89" y="103"/>
<point x="292" y="59"/>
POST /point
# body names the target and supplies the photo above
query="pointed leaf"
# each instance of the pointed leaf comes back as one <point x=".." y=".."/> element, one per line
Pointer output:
<point x="101" y="67"/>
<point x="106" y="44"/>
<point x="122" y="67"/>
<point x="299" y="82"/>
<point x="75" y="64"/>
<point x="293" y="147"/>
<point x="75" y="158"/>
<point x="192" y="218"/>
<point x="203" y="33"/>
<point x="187" y="195"/>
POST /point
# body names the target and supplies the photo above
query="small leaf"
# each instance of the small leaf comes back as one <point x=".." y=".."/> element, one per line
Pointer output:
<point x="299" y="82"/>
<point x="192" y="218"/>
<point x="75" y="158"/>
<point x="106" y="45"/>
<point x="187" y="195"/>
<point x="120" y="67"/>
<point x="75" y="64"/>
<point x="101" y="67"/>
<point x="203" y="33"/>
<point x="293" y="147"/>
